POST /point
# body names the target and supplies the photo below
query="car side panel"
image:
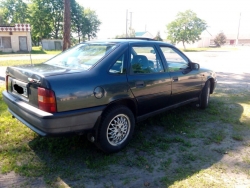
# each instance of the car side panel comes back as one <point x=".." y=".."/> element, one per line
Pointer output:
<point x="153" y="93"/>
<point x="185" y="86"/>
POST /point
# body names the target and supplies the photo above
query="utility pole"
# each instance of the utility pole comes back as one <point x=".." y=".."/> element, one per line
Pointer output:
<point x="66" y="26"/>
<point x="127" y="23"/>
<point x="130" y="19"/>
<point x="128" y="34"/>
<point x="131" y="31"/>
<point x="237" y="41"/>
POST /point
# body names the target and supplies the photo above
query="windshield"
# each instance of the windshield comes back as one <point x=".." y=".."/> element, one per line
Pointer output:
<point x="82" y="56"/>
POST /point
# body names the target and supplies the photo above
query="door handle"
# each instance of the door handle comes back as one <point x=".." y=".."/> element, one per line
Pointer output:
<point x="139" y="84"/>
<point x="175" y="79"/>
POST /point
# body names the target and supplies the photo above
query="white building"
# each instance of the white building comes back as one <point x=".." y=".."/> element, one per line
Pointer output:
<point x="144" y="34"/>
<point x="52" y="44"/>
<point x="15" y="38"/>
<point x="204" y="42"/>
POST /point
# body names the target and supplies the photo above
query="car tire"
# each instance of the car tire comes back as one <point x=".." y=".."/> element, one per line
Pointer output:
<point x="115" y="130"/>
<point x="205" y="95"/>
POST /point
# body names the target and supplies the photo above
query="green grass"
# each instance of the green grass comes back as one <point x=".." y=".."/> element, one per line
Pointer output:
<point x="171" y="143"/>
<point x="209" y="49"/>
<point x="39" y="50"/>
<point x="35" y="50"/>
<point x="20" y="62"/>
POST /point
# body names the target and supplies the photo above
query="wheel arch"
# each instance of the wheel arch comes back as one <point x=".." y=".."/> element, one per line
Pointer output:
<point x="212" y="84"/>
<point x="129" y="103"/>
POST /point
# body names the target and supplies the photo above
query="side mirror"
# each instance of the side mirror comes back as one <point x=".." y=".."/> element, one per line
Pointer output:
<point x="195" y="66"/>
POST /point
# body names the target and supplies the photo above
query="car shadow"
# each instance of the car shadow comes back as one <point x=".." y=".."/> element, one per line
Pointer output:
<point x="165" y="149"/>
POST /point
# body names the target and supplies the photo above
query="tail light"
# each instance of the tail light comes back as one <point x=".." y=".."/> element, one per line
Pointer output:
<point x="46" y="100"/>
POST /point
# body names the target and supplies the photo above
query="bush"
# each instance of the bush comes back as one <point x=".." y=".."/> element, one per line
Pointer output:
<point x="220" y="39"/>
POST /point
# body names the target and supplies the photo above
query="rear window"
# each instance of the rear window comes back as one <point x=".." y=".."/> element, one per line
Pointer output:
<point x="82" y="56"/>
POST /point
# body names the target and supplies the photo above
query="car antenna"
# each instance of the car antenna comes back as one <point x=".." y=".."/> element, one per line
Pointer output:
<point x="30" y="47"/>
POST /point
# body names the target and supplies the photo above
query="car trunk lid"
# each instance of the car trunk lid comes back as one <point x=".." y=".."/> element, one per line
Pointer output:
<point x="24" y="81"/>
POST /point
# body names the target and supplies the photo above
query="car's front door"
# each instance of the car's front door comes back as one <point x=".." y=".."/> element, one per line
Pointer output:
<point x="186" y="82"/>
<point x="148" y="81"/>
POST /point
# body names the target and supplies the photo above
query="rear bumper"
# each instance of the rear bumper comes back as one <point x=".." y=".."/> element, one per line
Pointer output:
<point x="45" y="123"/>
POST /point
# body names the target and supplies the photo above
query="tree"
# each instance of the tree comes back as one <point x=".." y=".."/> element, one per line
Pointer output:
<point x="40" y="20"/>
<point x="91" y="25"/>
<point x="186" y="28"/>
<point x="158" y="36"/>
<point x="131" y="33"/>
<point x="56" y="15"/>
<point x="46" y="18"/>
<point x="2" y="20"/>
<point x="220" y="39"/>
<point x="14" y="11"/>
<point x="78" y="20"/>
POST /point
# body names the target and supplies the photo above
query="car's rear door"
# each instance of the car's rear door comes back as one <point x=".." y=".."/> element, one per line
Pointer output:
<point x="186" y="82"/>
<point x="147" y="78"/>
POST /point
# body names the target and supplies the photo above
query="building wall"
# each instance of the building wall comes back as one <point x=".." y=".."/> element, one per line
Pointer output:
<point x="232" y="41"/>
<point x="203" y="43"/>
<point x="15" y="40"/>
<point x="14" y="32"/>
<point x="49" y="44"/>
<point x="148" y="35"/>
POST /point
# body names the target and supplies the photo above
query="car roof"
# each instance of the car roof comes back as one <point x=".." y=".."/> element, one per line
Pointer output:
<point x="128" y="40"/>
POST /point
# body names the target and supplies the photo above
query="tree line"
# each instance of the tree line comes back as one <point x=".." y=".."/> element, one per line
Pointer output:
<point x="46" y="18"/>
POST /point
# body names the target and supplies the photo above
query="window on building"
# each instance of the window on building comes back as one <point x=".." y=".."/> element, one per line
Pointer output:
<point x="5" y="42"/>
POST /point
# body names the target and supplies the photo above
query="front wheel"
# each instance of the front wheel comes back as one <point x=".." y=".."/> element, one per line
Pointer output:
<point x="115" y="129"/>
<point x="205" y="95"/>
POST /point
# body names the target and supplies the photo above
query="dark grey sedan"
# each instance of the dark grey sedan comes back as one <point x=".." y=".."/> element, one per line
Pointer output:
<point x="104" y="88"/>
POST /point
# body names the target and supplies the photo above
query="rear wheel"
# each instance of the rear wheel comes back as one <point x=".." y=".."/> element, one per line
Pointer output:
<point x="115" y="129"/>
<point x="205" y="95"/>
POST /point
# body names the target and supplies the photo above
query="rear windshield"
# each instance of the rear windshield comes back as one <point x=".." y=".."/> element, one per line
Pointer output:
<point x="82" y="56"/>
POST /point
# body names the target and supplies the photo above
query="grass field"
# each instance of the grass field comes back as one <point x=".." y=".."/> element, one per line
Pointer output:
<point x="185" y="147"/>
<point x="20" y="62"/>
<point x="35" y="50"/>
<point x="209" y="49"/>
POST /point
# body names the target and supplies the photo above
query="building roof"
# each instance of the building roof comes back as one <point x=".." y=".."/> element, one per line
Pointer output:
<point x="16" y="27"/>
<point x="140" y="34"/>
<point x="144" y="34"/>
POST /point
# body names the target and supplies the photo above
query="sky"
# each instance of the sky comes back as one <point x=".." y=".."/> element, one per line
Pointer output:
<point x="154" y="15"/>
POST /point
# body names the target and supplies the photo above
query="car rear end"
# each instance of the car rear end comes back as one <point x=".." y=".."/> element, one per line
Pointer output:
<point x="31" y="100"/>
<point x="33" y="97"/>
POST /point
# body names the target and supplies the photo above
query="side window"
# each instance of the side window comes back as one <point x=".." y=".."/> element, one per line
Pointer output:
<point x="145" y="60"/>
<point x="117" y="67"/>
<point x="175" y="61"/>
